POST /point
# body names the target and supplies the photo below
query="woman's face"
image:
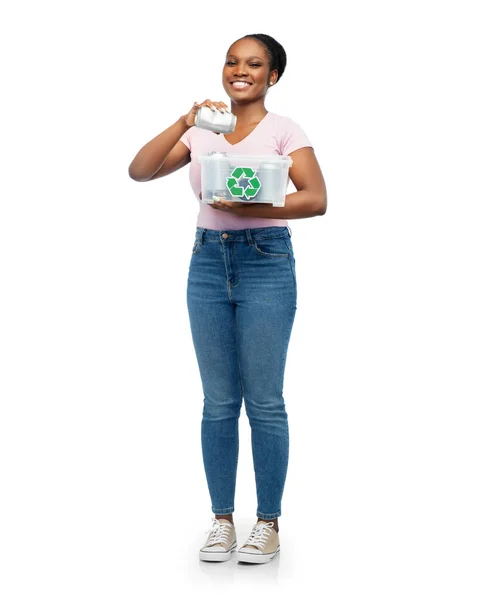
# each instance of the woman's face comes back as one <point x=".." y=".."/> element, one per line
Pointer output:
<point x="247" y="61"/>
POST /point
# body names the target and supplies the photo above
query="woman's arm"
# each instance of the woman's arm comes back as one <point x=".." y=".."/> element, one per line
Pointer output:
<point x="163" y="155"/>
<point x="310" y="199"/>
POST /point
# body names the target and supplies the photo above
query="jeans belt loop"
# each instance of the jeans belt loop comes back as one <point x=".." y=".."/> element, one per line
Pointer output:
<point x="290" y="232"/>
<point x="249" y="237"/>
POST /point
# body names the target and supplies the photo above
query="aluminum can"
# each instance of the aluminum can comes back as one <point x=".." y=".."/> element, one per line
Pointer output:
<point x="269" y="176"/>
<point x="217" y="178"/>
<point x="215" y="120"/>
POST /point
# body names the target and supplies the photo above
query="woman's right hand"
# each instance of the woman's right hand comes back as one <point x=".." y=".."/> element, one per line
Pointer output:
<point x="189" y="118"/>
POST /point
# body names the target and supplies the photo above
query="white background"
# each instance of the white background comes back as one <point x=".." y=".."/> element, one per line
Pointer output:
<point x="103" y="489"/>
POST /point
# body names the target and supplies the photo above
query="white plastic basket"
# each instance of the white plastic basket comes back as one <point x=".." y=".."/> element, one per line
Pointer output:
<point x="244" y="178"/>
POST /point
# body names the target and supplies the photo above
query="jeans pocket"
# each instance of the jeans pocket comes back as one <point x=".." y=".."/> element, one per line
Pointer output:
<point x="272" y="247"/>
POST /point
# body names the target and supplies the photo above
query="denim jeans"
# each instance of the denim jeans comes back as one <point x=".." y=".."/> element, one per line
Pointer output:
<point x="241" y="298"/>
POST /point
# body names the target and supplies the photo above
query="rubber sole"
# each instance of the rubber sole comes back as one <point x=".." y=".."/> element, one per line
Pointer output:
<point x="217" y="556"/>
<point x="250" y="557"/>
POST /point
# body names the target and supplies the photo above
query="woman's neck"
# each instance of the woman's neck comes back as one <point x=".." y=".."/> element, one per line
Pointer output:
<point x="249" y="114"/>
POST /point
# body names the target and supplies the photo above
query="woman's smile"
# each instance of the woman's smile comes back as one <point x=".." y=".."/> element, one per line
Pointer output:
<point x="241" y="84"/>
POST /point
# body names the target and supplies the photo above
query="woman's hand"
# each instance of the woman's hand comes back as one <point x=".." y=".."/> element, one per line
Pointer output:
<point x="190" y="117"/>
<point x="228" y="205"/>
<point x="234" y="207"/>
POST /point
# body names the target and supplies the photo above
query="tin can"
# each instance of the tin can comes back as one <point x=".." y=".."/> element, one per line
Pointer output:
<point x="269" y="176"/>
<point x="216" y="184"/>
<point x="215" y="120"/>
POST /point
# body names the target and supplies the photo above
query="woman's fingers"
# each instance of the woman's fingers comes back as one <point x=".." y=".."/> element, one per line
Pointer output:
<point x="221" y="106"/>
<point x="210" y="103"/>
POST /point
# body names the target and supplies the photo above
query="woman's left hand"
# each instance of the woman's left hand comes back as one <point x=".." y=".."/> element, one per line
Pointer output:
<point x="229" y="206"/>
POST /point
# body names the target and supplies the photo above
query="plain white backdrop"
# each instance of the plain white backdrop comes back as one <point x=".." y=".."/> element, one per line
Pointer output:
<point x="103" y="488"/>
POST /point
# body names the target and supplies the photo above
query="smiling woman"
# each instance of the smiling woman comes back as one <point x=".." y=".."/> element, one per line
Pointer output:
<point x="266" y="67"/>
<point x="242" y="289"/>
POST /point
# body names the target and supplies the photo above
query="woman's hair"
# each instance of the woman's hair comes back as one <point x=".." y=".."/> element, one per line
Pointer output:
<point x="275" y="51"/>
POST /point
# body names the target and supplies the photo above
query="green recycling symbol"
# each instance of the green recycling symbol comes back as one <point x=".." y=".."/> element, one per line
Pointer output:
<point x="236" y="186"/>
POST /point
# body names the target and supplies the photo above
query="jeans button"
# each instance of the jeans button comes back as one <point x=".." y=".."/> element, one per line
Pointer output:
<point x="224" y="235"/>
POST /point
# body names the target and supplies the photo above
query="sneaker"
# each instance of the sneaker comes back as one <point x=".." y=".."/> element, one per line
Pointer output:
<point x="261" y="546"/>
<point x="220" y="542"/>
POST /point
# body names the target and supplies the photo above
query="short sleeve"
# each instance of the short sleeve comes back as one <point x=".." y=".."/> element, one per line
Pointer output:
<point x="186" y="138"/>
<point x="293" y="137"/>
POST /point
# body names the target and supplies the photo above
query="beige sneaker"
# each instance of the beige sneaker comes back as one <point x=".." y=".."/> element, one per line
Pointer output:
<point x="220" y="542"/>
<point x="261" y="546"/>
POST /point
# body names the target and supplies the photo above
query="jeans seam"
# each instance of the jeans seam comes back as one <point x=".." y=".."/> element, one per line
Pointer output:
<point x="262" y="515"/>
<point x="292" y="268"/>
<point x="240" y="377"/>
<point x="222" y="511"/>
<point x="238" y="361"/>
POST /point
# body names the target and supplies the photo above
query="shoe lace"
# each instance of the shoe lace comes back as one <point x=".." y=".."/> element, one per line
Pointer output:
<point x="259" y="535"/>
<point x="218" y="533"/>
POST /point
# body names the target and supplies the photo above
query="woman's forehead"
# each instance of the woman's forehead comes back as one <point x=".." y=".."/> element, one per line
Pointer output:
<point x="247" y="48"/>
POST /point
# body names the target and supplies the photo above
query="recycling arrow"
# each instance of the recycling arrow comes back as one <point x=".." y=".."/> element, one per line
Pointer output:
<point x="250" y="190"/>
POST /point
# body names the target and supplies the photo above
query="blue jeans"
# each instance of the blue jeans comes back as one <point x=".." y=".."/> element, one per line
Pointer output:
<point x="241" y="298"/>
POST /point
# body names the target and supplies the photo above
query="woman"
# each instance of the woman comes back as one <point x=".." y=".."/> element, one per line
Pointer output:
<point x="242" y="291"/>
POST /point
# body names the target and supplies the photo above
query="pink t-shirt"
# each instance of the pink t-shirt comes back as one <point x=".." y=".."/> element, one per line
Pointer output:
<point x="275" y="134"/>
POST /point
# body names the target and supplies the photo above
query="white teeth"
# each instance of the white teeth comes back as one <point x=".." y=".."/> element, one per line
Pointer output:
<point x="240" y="83"/>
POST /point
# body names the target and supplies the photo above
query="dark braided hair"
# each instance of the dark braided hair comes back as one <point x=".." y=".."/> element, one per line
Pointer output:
<point x="275" y="51"/>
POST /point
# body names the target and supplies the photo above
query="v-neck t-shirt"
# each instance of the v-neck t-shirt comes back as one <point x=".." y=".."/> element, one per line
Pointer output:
<point x="274" y="134"/>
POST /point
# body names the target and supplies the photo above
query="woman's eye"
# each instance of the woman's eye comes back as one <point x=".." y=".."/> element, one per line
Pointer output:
<point x="230" y="62"/>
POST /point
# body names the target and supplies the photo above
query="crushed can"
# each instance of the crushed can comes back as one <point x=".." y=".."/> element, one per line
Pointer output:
<point x="217" y="180"/>
<point x="270" y="176"/>
<point x="215" y="120"/>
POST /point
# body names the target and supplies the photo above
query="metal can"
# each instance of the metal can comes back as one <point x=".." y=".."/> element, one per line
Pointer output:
<point x="269" y="176"/>
<point x="218" y="171"/>
<point x="215" y="120"/>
